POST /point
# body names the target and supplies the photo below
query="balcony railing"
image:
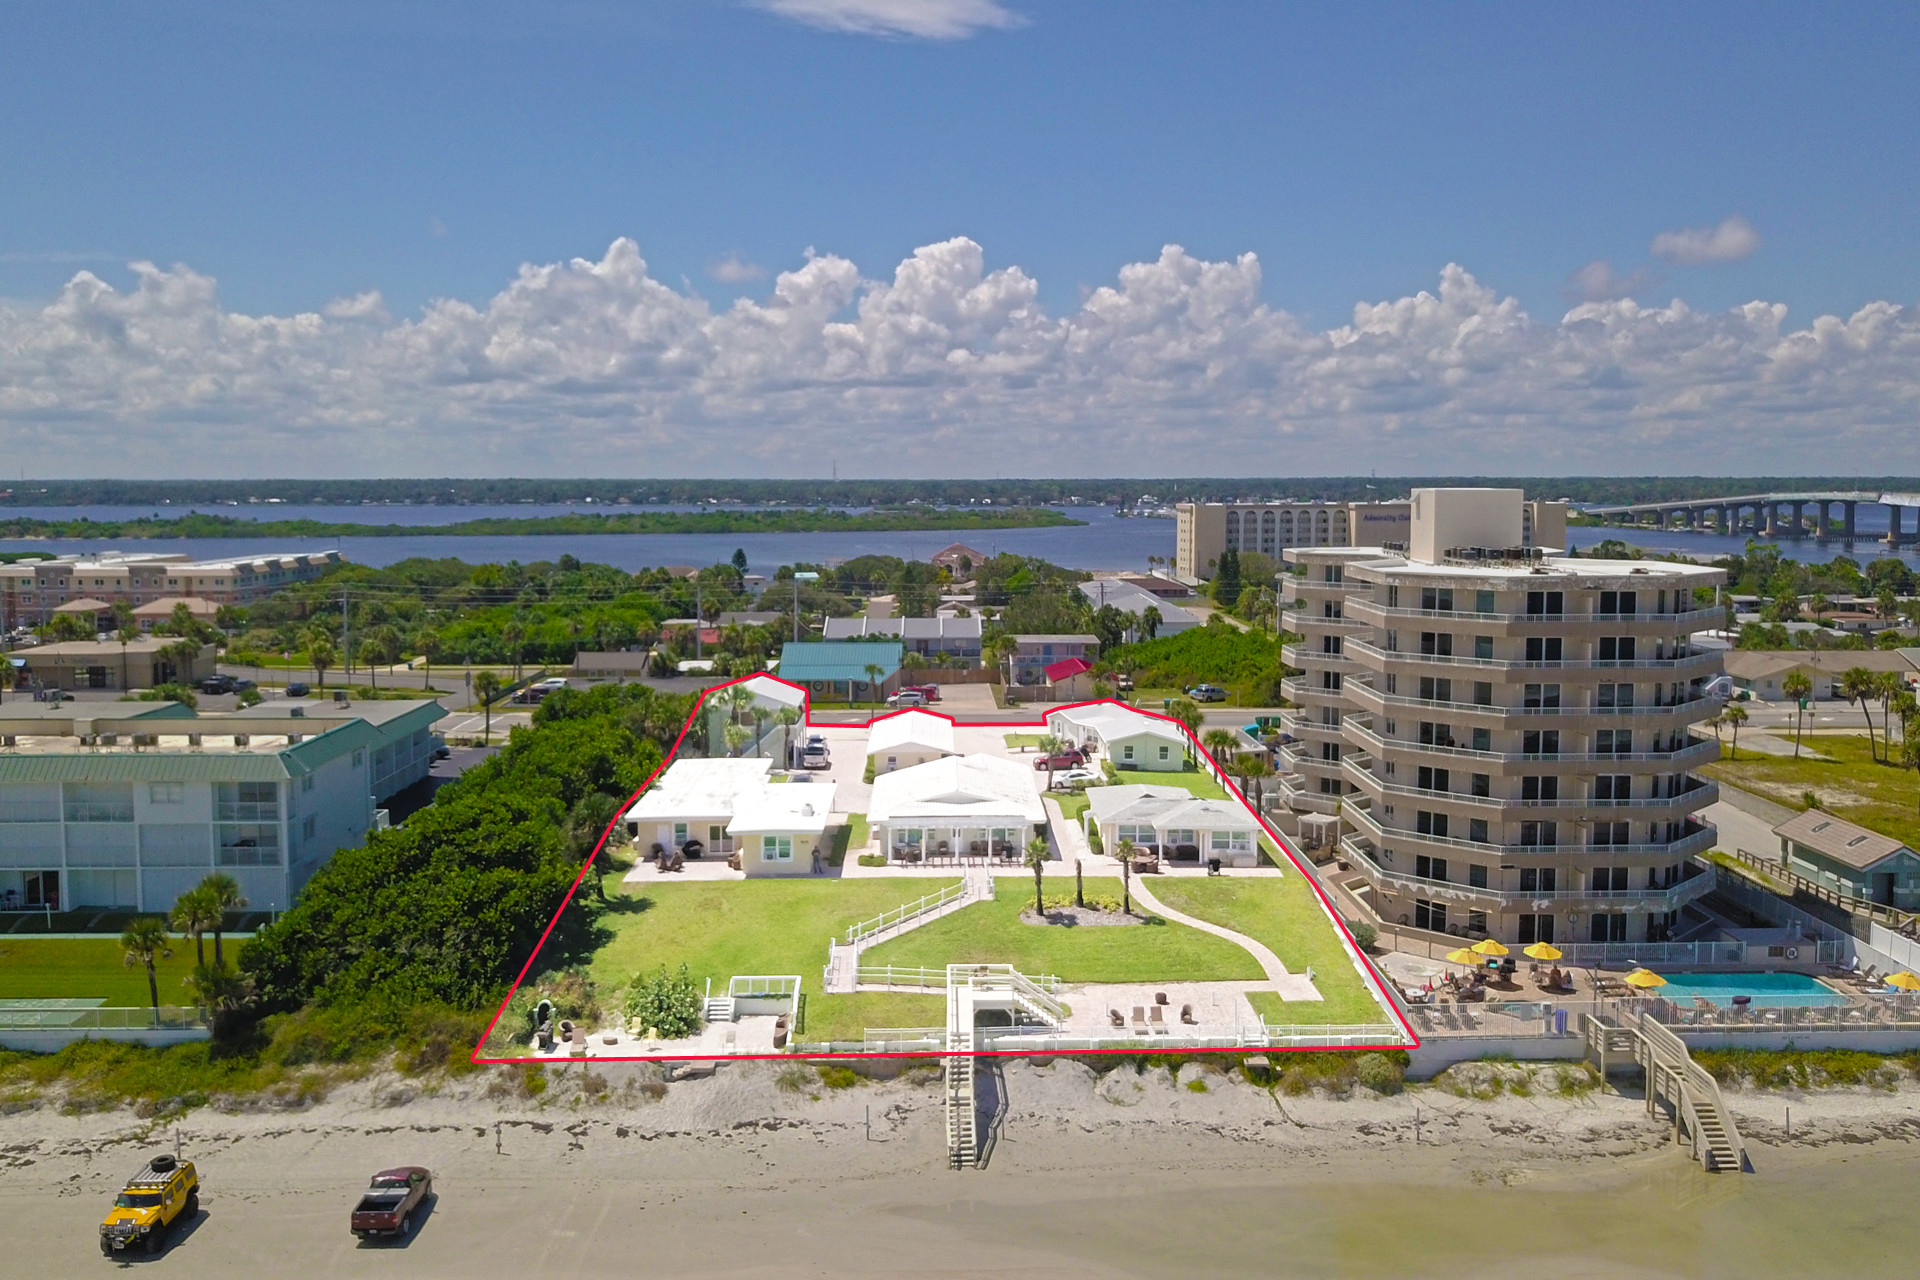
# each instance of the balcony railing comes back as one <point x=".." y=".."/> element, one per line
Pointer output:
<point x="1688" y="801"/>
<point x="1299" y="656"/>
<point x="1698" y="841"/>
<point x="1362" y="855"/>
<point x="1692" y="620"/>
<point x="1364" y="650"/>
<point x="1698" y="752"/>
<point x="1366" y="695"/>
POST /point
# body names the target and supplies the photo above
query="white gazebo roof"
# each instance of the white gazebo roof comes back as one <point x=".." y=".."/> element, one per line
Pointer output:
<point x="911" y="729"/>
<point x="975" y="790"/>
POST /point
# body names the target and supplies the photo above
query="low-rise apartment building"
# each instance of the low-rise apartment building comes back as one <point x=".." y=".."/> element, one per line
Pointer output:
<point x="1514" y="728"/>
<point x="922" y="637"/>
<point x="107" y="664"/>
<point x="128" y="806"/>
<point x="31" y="590"/>
<point x="1203" y="531"/>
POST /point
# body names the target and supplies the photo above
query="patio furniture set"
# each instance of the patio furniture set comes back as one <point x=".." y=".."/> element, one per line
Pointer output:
<point x="1152" y="1019"/>
<point x="978" y="853"/>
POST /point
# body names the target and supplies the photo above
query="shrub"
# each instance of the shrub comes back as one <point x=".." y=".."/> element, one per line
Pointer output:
<point x="792" y="1079"/>
<point x="667" y="1003"/>
<point x="1197" y="1086"/>
<point x="873" y="859"/>
<point x="838" y="1077"/>
<point x="1364" y="934"/>
<point x="1379" y="1074"/>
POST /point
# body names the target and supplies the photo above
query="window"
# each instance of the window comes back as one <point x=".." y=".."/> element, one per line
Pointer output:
<point x="1477" y="875"/>
<point x="1476" y="922"/>
<point x="1126" y="752"/>
<point x="1607" y="928"/>
<point x="1477" y="830"/>
<point x="1614" y="695"/>
<point x="1141" y="836"/>
<point x="1540" y="742"/>
<point x="1537" y="879"/>
<point x="1613" y="742"/>
<point x="1480" y="784"/>
<point x="166" y="793"/>
<point x="1483" y="602"/>
<point x="1545" y="604"/>
<point x="359" y="757"/>
<point x="1540" y="787"/>
<point x="1483" y="739"/>
<point x="1536" y="928"/>
<point x="1611" y="833"/>
<point x="1163" y="752"/>
<point x="1436" y="599"/>
<point x="1330" y="681"/>
<point x="1616" y="648"/>
<point x="1437" y="643"/>
<point x="1430" y="824"/>
<point x="1539" y="835"/>
<point x="1393" y="597"/>
<point x="1430" y="915"/>
<point x="246" y="802"/>
<point x="1430" y="868"/>
<point x="247" y="844"/>
<point x="1482" y="693"/>
<point x="1432" y="779"/>
<point x="1483" y="647"/>
<point x="1436" y="689"/>
<point x="1232" y="841"/>
<point x="1330" y="645"/>
<point x="776" y="848"/>
<point x="1613" y="787"/>
<point x="1623" y="603"/>
<point x="1330" y="752"/>
<point x="679" y="834"/>
<point x="1433" y="734"/>
<point x="1544" y="648"/>
<point x="306" y="827"/>
<point x="1540" y="697"/>
<point x="306" y="782"/>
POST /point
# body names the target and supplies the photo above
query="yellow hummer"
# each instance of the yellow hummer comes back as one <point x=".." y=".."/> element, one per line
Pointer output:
<point x="164" y="1191"/>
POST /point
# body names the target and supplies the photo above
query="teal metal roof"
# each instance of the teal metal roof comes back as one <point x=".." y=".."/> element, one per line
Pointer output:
<point x="810" y="660"/>
<point x="145" y="766"/>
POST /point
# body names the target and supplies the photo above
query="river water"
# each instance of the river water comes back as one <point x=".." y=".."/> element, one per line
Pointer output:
<point x="1106" y="541"/>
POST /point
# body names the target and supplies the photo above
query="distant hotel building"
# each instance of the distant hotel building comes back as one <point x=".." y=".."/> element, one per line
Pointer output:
<point x="30" y="590"/>
<point x="1504" y="733"/>
<point x="1204" y="530"/>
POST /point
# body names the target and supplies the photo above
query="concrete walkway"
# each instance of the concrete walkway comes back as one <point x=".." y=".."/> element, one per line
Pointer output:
<point x="1290" y="986"/>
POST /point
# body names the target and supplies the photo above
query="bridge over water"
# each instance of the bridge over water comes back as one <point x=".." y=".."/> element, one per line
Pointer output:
<point x="1772" y="515"/>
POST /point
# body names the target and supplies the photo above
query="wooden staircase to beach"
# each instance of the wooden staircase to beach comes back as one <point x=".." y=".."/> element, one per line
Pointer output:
<point x="1700" y="1116"/>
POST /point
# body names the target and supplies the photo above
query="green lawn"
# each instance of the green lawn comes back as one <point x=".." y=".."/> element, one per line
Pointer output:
<point x="993" y="933"/>
<point x="1017" y="740"/>
<point x="1072" y="804"/>
<point x="1284" y="913"/>
<point x="728" y="928"/>
<point x="1197" y="781"/>
<point x="88" y="968"/>
<point x="1878" y="796"/>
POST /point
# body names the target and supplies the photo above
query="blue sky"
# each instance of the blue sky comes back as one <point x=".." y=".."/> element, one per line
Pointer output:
<point x="425" y="151"/>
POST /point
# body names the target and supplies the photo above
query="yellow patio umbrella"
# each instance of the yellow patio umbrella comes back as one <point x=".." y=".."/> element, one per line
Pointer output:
<point x="1465" y="955"/>
<point x="1645" y="979"/>
<point x="1905" y="981"/>
<point x="1543" y="951"/>
<point x="1488" y="947"/>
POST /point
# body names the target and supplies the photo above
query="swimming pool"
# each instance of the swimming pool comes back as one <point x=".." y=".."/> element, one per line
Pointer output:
<point x="1763" y="990"/>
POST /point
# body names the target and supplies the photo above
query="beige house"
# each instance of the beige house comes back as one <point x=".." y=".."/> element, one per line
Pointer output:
<point x="715" y="808"/>
<point x="1171" y="822"/>
<point x="1763" y="672"/>
<point x="148" y="616"/>
<point x="907" y="739"/>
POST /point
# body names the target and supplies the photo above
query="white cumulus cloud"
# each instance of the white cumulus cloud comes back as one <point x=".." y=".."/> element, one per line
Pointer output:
<point x="1731" y="241"/>
<point x="1598" y="281"/>
<point x="734" y="269"/>
<point x="948" y="365"/>
<point x="920" y="19"/>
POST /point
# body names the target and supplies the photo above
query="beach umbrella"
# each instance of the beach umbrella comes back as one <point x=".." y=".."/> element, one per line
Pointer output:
<point x="1465" y="955"/>
<point x="1543" y="951"/>
<point x="1489" y="947"/>
<point x="1645" y="979"/>
<point x="1905" y="981"/>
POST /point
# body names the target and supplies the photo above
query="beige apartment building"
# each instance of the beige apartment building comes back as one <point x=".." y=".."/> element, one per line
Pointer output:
<point x="31" y="590"/>
<point x="1204" y="530"/>
<point x="1504" y="733"/>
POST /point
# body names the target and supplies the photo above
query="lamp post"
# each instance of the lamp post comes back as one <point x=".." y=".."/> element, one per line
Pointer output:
<point x="798" y="578"/>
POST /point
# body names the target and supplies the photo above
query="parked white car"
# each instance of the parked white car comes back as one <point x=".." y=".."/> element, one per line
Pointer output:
<point x="1073" y="779"/>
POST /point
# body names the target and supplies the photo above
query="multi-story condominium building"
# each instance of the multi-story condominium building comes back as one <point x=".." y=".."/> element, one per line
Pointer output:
<point x="1514" y="727"/>
<point x="1204" y="530"/>
<point x="128" y="805"/>
<point x="30" y="590"/>
<point x="1315" y="599"/>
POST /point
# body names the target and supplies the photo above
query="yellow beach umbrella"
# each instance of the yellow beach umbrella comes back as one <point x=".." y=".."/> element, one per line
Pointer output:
<point x="1488" y="947"/>
<point x="1905" y="981"/>
<point x="1543" y="951"/>
<point x="1645" y="979"/>
<point x="1465" y="955"/>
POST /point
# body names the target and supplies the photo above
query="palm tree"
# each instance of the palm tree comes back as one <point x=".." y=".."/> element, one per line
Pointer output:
<point x="1051" y="745"/>
<point x="194" y="915"/>
<point x="223" y="893"/>
<point x="1252" y="769"/>
<point x="739" y="702"/>
<point x="1125" y="851"/>
<point x="1736" y="716"/>
<point x="1798" y="687"/>
<point x="788" y="717"/>
<point x="875" y="673"/>
<point x="427" y="643"/>
<point x="1718" y="722"/>
<point x="1187" y="712"/>
<point x="1001" y="649"/>
<point x="126" y="636"/>
<point x="761" y="713"/>
<point x="144" y="942"/>
<point x="321" y="655"/>
<point x="486" y="686"/>
<point x="1857" y="684"/>
<point x="1037" y="863"/>
<point x="1219" y="743"/>
<point x="512" y="636"/>
<point x="1819" y="605"/>
<point x="736" y="737"/>
<point x="1150" y="621"/>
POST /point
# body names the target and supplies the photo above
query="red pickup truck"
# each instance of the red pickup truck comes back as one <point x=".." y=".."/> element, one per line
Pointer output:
<point x="389" y="1204"/>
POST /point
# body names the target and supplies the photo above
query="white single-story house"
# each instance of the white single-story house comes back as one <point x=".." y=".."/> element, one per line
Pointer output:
<point x="909" y="738"/>
<point x="957" y="806"/>
<point x="718" y="807"/>
<point x="1172" y="823"/>
<point x="1124" y="736"/>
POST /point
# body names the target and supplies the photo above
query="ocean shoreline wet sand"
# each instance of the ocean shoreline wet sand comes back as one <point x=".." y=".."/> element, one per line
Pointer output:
<point x="1108" y="1174"/>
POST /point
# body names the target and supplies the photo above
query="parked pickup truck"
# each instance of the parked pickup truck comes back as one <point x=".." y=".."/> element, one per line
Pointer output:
<point x="389" y="1204"/>
<point x="163" y="1192"/>
<point x="1064" y="760"/>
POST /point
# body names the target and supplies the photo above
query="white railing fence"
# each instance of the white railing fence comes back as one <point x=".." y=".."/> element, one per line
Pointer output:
<point x="906" y="911"/>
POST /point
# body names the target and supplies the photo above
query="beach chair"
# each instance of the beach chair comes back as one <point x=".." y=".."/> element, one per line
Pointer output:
<point x="1157" y="1022"/>
<point x="1139" y="1020"/>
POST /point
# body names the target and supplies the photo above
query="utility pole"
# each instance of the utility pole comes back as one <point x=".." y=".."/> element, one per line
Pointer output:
<point x="346" y="637"/>
<point x="699" y="617"/>
<point x="798" y="578"/>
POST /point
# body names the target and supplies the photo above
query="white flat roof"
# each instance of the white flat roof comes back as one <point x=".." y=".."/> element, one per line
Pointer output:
<point x="700" y="789"/>
<point x="976" y="790"/>
<point x="911" y="729"/>
<point x="781" y="808"/>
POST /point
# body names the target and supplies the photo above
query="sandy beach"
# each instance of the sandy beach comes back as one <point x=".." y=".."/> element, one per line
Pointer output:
<point x="1118" y="1174"/>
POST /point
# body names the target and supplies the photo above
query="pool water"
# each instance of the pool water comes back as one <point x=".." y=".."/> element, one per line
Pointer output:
<point x="1795" y="990"/>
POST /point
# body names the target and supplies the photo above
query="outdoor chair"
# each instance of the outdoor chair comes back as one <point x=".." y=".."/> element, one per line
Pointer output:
<point x="1156" y="1021"/>
<point x="1160" y="997"/>
<point x="1186" y="1015"/>
<point x="1139" y="1019"/>
<point x="1114" y="1016"/>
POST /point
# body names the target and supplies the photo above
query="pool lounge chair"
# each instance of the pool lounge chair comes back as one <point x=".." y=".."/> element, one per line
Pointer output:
<point x="1156" y="1021"/>
<point x="1139" y="1020"/>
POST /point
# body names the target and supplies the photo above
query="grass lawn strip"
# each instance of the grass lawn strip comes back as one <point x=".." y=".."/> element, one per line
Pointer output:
<point x="88" y="968"/>
<point x="1877" y="796"/>
<point x="729" y="928"/>
<point x="993" y="933"/>
<point x="1198" y="781"/>
<point x="1017" y="740"/>
<point x="1282" y="912"/>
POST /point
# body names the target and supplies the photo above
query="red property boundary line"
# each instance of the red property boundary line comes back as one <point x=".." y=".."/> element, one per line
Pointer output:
<point x="1280" y="842"/>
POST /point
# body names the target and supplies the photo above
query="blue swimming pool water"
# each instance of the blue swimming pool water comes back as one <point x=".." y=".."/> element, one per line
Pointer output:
<point x="1765" y="989"/>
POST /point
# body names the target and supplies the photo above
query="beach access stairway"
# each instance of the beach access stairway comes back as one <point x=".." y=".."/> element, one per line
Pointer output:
<point x="843" y="954"/>
<point x="1700" y="1115"/>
